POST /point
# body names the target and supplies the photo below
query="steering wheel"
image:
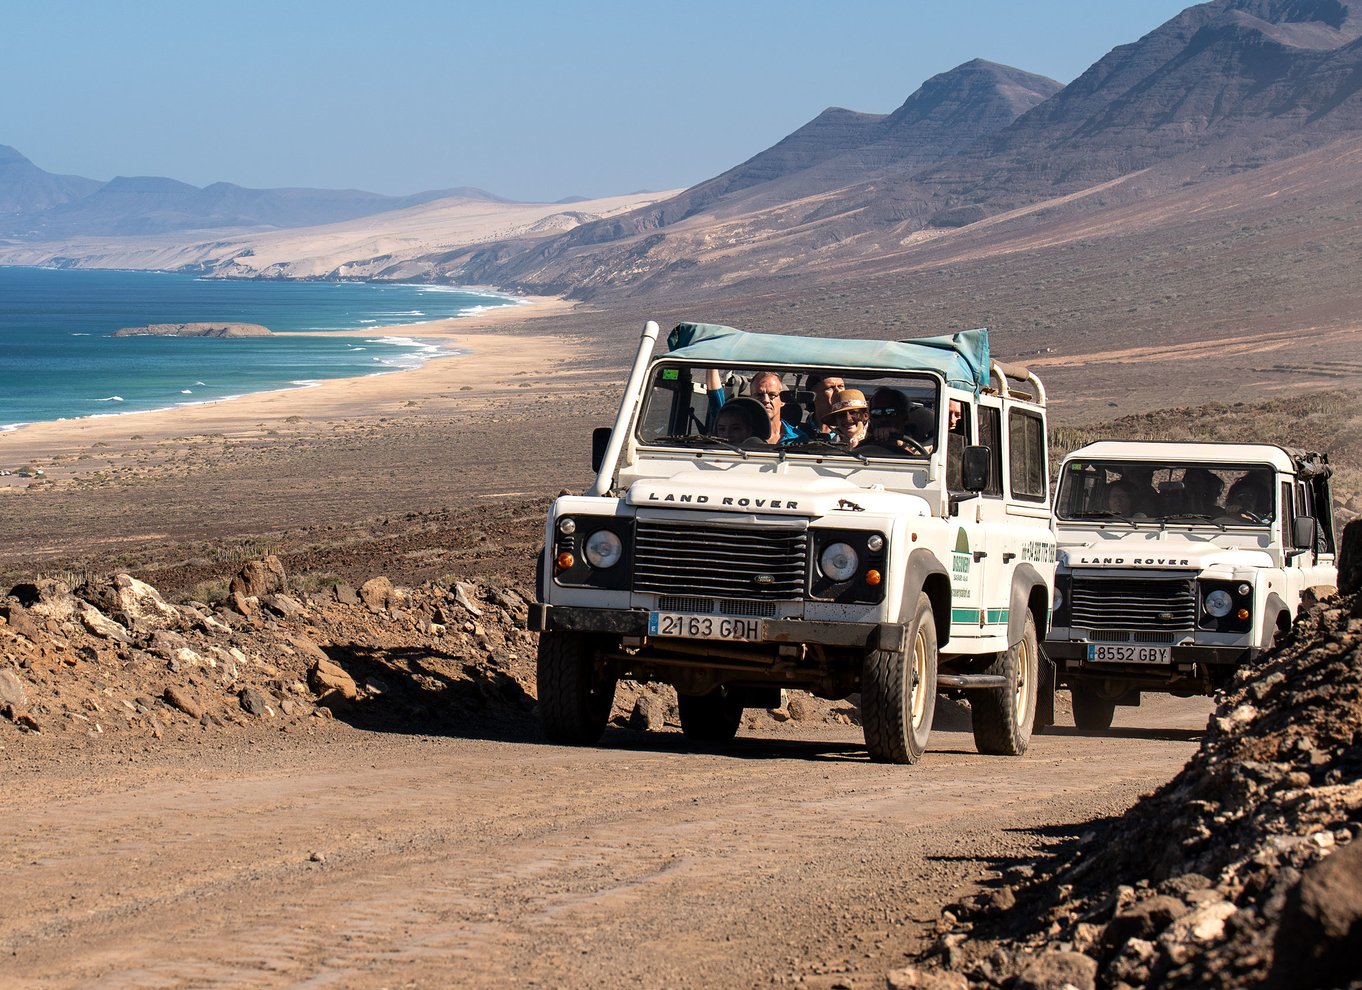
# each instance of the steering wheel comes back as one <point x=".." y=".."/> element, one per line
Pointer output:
<point x="909" y="444"/>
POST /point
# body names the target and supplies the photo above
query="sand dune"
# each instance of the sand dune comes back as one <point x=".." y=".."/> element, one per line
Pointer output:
<point x="385" y="245"/>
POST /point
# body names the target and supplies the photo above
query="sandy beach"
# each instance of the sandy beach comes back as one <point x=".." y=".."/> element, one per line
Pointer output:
<point x="496" y="350"/>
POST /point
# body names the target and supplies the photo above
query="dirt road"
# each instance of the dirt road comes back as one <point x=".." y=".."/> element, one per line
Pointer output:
<point x="355" y="859"/>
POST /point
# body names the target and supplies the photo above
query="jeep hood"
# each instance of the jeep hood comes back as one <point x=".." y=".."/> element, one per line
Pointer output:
<point x="790" y="496"/>
<point x="1138" y="551"/>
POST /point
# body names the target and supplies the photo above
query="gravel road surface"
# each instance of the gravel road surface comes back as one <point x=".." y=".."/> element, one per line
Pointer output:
<point x="358" y="859"/>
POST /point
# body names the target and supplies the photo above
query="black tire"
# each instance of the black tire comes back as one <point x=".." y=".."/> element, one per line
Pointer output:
<point x="898" y="693"/>
<point x="1003" y="718"/>
<point x="709" y="719"/>
<point x="1091" y="710"/>
<point x="574" y="700"/>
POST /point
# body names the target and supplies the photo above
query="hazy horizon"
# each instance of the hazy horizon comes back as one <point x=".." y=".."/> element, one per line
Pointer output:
<point x="531" y="101"/>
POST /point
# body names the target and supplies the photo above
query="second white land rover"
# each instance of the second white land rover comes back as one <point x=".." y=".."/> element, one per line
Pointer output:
<point x="1180" y="561"/>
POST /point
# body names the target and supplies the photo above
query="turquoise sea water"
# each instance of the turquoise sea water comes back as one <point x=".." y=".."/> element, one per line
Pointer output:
<point x="58" y="360"/>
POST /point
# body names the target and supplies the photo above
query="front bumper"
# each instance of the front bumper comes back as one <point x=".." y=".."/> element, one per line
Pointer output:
<point x="777" y="632"/>
<point x="1074" y="653"/>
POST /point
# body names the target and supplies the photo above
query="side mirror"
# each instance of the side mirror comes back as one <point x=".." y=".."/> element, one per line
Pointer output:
<point x="975" y="467"/>
<point x="1303" y="532"/>
<point x="600" y="439"/>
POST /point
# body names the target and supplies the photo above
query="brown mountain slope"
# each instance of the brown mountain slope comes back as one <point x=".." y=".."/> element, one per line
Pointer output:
<point x="1225" y="86"/>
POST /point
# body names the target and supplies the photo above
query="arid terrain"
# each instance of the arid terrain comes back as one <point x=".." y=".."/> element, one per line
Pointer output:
<point x="231" y="820"/>
<point x="267" y="702"/>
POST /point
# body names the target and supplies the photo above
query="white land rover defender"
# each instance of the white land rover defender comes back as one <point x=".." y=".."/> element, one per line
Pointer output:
<point x="1180" y="561"/>
<point x="732" y="547"/>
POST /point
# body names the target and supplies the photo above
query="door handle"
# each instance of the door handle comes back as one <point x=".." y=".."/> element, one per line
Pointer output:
<point x="1009" y="557"/>
<point x="980" y="555"/>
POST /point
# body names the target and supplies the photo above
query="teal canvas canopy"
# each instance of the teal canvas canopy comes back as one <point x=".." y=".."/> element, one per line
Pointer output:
<point x="961" y="357"/>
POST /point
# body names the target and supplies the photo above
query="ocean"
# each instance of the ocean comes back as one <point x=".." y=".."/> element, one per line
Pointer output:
<point x="58" y="359"/>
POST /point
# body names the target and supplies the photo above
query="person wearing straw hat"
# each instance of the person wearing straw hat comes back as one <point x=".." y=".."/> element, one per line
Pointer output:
<point x="848" y="416"/>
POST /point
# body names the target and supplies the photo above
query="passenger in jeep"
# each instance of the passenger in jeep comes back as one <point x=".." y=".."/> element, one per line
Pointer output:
<point x="1248" y="500"/>
<point x="1201" y="492"/>
<point x="1121" y="498"/>
<point x="823" y="387"/>
<point x="741" y="419"/>
<point x="848" y="416"/>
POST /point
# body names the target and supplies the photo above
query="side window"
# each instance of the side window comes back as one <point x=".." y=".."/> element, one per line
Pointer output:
<point x="991" y="436"/>
<point x="1289" y="511"/>
<point x="1026" y="456"/>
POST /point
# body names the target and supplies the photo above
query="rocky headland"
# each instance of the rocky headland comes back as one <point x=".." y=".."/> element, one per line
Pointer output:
<point x="220" y="330"/>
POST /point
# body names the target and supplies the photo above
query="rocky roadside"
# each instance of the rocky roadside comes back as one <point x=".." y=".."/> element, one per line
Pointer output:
<point x="114" y="658"/>
<point x="1244" y="871"/>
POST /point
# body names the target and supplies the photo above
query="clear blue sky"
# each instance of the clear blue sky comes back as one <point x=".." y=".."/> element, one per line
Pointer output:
<point x="531" y="100"/>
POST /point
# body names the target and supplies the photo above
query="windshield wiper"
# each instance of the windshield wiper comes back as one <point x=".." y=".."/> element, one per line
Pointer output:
<point x="697" y="440"/>
<point x="1106" y="514"/>
<point x="823" y="447"/>
<point x="1194" y="517"/>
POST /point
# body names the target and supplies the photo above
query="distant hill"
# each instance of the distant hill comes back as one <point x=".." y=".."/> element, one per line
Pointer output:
<point x="1224" y="86"/>
<point x="38" y="206"/>
<point x="839" y="146"/>
<point x="25" y="187"/>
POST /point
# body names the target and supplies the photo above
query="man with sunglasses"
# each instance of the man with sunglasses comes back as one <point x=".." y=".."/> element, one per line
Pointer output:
<point x="768" y="389"/>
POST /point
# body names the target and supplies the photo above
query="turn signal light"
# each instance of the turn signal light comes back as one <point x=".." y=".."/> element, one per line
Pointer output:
<point x="872" y="578"/>
<point x="1242" y="614"/>
<point x="565" y="561"/>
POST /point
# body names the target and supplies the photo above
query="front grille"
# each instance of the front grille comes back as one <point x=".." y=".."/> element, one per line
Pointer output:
<point x="1133" y="603"/>
<point x="685" y="603"/>
<point x="705" y="606"/>
<point x="765" y="564"/>
<point x="764" y="609"/>
<point x="1105" y="636"/>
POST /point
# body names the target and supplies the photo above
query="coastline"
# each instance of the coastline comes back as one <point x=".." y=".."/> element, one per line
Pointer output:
<point x="490" y="354"/>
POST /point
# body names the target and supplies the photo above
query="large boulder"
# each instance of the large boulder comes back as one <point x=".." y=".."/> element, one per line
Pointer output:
<point x="132" y="602"/>
<point x="259" y="577"/>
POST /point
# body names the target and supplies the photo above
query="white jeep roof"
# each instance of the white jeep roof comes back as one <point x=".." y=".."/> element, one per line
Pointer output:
<point x="1179" y="452"/>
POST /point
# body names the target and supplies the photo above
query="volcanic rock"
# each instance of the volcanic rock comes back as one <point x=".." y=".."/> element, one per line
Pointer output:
<point x="326" y="677"/>
<point x="13" y="696"/>
<point x="259" y="577"/>
<point x="178" y="697"/>
<point x="377" y="593"/>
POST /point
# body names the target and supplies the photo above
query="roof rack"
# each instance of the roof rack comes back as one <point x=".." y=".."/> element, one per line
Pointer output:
<point x="1030" y="386"/>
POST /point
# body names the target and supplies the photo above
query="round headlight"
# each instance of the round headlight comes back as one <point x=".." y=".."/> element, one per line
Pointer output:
<point x="567" y="526"/>
<point x="1218" y="603"/>
<point x="875" y="544"/>
<point x="603" y="549"/>
<point x="839" y="562"/>
<point x="1244" y="589"/>
<point x="1058" y="602"/>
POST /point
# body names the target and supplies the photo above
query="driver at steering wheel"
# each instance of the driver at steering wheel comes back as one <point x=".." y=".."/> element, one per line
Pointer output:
<point x="889" y="426"/>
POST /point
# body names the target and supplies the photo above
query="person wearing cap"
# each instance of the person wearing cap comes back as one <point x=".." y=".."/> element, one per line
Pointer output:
<point x="848" y="416"/>
<point x="891" y="421"/>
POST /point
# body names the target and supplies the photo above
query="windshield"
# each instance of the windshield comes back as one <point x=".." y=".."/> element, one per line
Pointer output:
<point x="816" y="411"/>
<point x="1167" y="493"/>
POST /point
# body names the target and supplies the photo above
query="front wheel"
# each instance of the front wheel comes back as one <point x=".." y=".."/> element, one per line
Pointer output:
<point x="1003" y="717"/>
<point x="709" y="719"/>
<point x="574" y="700"/>
<point x="1091" y="710"/>
<point x="898" y="693"/>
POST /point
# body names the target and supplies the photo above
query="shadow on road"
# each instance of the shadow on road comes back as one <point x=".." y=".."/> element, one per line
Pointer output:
<point x="1157" y="735"/>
